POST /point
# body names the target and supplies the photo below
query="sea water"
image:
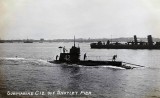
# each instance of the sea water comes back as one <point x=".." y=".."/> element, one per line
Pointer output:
<point x="24" y="68"/>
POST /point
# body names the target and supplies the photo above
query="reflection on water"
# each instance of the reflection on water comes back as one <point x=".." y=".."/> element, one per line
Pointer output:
<point x="2" y="82"/>
<point x="30" y="71"/>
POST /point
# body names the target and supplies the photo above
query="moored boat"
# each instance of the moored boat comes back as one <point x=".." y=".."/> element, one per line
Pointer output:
<point x="129" y="45"/>
<point x="28" y="41"/>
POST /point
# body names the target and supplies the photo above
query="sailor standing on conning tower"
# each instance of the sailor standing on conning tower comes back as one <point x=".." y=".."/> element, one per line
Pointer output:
<point x="64" y="49"/>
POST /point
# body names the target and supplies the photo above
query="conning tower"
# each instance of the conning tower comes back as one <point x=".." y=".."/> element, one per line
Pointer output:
<point x="74" y="53"/>
<point x="73" y="56"/>
<point x="150" y="41"/>
<point x="135" y="39"/>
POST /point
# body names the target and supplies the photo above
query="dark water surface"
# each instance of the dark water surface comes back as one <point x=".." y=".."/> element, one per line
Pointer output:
<point x="30" y="71"/>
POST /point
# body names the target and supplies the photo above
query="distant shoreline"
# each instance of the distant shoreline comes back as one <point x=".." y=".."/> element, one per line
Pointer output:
<point x="81" y="40"/>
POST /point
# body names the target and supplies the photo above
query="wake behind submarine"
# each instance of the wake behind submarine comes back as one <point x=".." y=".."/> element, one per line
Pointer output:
<point x="73" y="57"/>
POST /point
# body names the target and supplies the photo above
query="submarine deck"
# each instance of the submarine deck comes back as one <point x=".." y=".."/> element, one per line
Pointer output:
<point x="95" y="63"/>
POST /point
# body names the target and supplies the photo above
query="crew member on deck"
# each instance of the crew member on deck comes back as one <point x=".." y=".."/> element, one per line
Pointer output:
<point x="57" y="57"/>
<point x="64" y="49"/>
<point x="85" y="56"/>
<point x="114" y="57"/>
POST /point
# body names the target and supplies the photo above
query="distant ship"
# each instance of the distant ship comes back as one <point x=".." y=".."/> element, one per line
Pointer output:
<point x="128" y="45"/>
<point x="28" y="41"/>
<point x="41" y="40"/>
<point x="2" y="41"/>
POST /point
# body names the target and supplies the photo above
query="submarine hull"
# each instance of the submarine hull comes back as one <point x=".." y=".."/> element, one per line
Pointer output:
<point x="95" y="63"/>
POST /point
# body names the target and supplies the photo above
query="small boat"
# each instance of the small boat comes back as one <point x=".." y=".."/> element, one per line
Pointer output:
<point x="2" y="41"/>
<point x="28" y="41"/>
<point x="73" y="57"/>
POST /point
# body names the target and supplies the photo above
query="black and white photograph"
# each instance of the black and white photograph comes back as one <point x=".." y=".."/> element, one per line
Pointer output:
<point x="79" y="48"/>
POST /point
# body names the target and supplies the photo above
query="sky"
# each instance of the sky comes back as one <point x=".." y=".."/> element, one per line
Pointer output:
<point x="62" y="19"/>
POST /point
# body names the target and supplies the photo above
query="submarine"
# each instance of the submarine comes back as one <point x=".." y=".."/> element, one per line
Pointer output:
<point x="73" y="57"/>
<point x="128" y="45"/>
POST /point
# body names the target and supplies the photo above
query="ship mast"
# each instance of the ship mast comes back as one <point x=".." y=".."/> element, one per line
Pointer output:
<point x="74" y="41"/>
<point x="111" y="38"/>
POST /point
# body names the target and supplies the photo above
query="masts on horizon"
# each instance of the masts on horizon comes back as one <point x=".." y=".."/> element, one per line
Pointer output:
<point x="111" y="38"/>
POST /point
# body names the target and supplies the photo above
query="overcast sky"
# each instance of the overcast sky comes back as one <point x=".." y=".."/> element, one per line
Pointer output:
<point x="50" y="19"/>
